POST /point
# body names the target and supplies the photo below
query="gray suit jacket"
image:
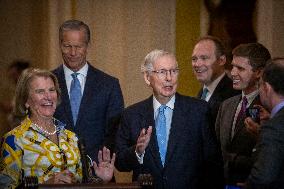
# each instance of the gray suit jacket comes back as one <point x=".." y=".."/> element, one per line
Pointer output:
<point x="268" y="170"/>
<point x="237" y="149"/>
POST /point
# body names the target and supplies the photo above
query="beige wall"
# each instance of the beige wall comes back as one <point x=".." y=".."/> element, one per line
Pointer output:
<point x="123" y="32"/>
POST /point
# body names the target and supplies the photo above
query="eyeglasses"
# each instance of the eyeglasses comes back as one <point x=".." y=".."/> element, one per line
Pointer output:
<point x="162" y="73"/>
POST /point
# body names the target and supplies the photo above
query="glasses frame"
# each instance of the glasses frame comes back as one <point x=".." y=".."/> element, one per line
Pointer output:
<point x="163" y="73"/>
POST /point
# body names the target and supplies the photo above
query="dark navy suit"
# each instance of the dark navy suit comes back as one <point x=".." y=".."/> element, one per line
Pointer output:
<point x="192" y="157"/>
<point x="101" y="106"/>
<point x="223" y="91"/>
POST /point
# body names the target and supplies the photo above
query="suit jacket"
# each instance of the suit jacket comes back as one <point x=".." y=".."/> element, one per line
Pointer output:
<point x="101" y="103"/>
<point x="237" y="150"/>
<point x="268" y="170"/>
<point x="191" y="146"/>
<point x="223" y="91"/>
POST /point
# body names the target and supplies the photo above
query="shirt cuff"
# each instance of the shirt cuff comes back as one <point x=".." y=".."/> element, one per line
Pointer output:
<point x="140" y="157"/>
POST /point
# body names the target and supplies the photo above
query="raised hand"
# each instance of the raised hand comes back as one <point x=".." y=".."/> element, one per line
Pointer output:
<point x="143" y="140"/>
<point x="105" y="168"/>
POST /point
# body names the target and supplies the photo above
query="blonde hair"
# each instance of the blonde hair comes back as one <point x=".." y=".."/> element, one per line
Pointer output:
<point x="23" y="89"/>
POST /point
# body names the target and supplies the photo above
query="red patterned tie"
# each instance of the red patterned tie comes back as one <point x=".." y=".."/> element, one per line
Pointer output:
<point x="242" y="111"/>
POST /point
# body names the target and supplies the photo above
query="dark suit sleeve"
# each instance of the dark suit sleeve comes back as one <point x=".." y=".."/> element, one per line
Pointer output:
<point x="115" y="107"/>
<point x="125" y="147"/>
<point x="269" y="162"/>
<point x="213" y="165"/>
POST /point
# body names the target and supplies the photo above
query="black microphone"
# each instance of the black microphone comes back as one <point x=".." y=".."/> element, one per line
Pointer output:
<point x="85" y="165"/>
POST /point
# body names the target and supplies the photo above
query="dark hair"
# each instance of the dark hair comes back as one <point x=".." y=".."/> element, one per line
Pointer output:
<point x="75" y="25"/>
<point x="220" y="49"/>
<point x="255" y="52"/>
<point x="273" y="74"/>
<point x="20" y="65"/>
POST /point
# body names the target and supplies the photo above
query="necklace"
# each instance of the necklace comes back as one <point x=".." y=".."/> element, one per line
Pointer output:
<point x="45" y="132"/>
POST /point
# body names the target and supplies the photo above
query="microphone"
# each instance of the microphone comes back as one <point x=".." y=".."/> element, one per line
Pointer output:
<point x="85" y="165"/>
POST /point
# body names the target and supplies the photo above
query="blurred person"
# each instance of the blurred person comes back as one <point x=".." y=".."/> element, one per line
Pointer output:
<point x="91" y="99"/>
<point x="208" y="62"/>
<point x="237" y="143"/>
<point x="168" y="135"/>
<point x="41" y="146"/>
<point x="8" y="119"/>
<point x="268" y="171"/>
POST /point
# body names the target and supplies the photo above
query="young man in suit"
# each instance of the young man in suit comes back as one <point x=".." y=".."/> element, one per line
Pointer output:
<point x="91" y="99"/>
<point x="208" y="63"/>
<point x="237" y="143"/>
<point x="168" y="135"/>
<point x="268" y="169"/>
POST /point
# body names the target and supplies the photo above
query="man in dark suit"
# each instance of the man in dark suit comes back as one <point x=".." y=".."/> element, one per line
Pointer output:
<point x="101" y="98"/>
<point x="268" y="169"/>
<point x="168" y="135"/>
<point x="208" y="62"/>
<point x="237" y="143"/>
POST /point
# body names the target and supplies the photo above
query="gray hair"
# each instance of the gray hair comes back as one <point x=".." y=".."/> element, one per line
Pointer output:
<point x="76" y="25"/>
<point x="151" y="58"/>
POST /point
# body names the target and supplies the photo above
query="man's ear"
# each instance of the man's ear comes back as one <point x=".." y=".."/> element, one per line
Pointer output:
<point x="267" y="87"/>
<point x="259" y="73"/>
<point x="147" y="78"/>
<point x="222" y="60"/>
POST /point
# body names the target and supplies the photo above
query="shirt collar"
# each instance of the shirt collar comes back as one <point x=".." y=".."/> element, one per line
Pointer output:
<point x="251" y="96"/>
<point x="212" y="86"/>
<point x="276" y="109"/>
<point x="170" y="104"/>
<point x="83" y="71"/>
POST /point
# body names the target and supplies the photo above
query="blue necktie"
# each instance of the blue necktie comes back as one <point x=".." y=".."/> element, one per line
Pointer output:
<point x="204" y="93"/>
<point x="161" y="132"/>
<point x="75" y="96"/>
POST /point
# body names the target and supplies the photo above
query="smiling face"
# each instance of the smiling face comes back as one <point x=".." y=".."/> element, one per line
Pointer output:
<point x="164" y="87"/>
<point x="74" y="49"/>
<point x="42" y="98"/>
<point x="244" y="78"/>
<point x="206" y="66"/>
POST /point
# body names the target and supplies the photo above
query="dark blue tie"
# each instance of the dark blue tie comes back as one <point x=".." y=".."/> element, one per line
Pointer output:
<point x="161" y="132"/>
<point x="75" y="96"/>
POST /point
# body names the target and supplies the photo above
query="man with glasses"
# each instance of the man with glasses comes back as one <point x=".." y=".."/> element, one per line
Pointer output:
<point x="167" y="135"/>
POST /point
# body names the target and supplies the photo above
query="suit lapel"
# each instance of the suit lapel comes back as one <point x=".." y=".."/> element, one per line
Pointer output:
<point x="230" y="119"/>
<point x="177" y="128"/>
<point x="217" y="94"/>
<point x="92" y="87"/>
<point x="148" y="120"/>
<point x="65" y="97"/>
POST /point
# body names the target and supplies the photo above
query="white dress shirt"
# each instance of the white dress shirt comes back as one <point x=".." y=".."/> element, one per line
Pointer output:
<point x="81" y="77"/>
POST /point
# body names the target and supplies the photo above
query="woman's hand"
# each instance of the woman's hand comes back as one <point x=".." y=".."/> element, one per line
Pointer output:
<point x="105" y="168"/>
<point x="64" y="177"/>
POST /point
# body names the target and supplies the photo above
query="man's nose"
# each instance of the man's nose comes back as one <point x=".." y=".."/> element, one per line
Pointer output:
<point x="73" y="51"/>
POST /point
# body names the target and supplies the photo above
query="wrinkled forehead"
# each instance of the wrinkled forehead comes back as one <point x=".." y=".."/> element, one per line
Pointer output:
<point x="165" y="62"/>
